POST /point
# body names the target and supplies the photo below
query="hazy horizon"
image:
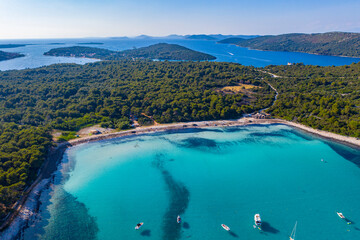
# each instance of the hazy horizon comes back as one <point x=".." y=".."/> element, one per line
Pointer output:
<point x="38" y="19"/>
<point x="165" y="36"/>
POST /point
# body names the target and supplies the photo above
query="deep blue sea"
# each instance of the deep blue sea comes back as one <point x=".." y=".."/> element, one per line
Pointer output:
<point x="224" y="52"/>
<point x="210" y="177"/>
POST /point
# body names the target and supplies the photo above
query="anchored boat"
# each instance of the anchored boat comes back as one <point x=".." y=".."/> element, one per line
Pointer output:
<point x="138" y="225"/>
<point x="225" y="227"/>
<point x="340" y="215"/>
<point x="178" y="219"/>
<point x="257" y="219"/>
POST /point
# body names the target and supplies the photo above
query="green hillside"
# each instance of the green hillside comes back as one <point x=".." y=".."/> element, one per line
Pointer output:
<point x="332" y="43"/>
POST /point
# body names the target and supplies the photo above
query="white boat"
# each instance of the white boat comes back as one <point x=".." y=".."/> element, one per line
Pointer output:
<point x="138" y="225"/>
<point x="292" y="235"/>
<point x="340" y="215"/>
<point x="225" y="227"/>
<point x="257" y="219"/>
<point x="178" y="219"/>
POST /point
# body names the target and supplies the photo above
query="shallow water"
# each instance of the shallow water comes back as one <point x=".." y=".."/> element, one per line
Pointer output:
<point x="209" y="177"/>
<point x="223" y="52"/>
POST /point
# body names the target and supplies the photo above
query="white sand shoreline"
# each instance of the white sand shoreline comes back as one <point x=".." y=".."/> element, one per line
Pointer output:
<point x="29" y="205"/>
<point x="351" y="141"/>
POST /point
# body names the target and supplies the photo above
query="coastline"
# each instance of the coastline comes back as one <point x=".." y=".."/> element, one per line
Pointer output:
<point x="350" y="141"/>
<point x="28" y="204"/>
<point x="317" y="54"/>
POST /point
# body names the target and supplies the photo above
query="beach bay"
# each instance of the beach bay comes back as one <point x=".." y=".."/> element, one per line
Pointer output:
<point x="209" y="176"/>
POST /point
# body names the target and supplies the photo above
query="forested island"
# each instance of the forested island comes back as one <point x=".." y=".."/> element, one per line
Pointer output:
<point x="79" y="51"/>
<point x="216" y="37"/>
<point x="12" y="45"/>
<point x="331" y="43"/>
<point x="201" y="37"/>
<point x="161" y="51"/>
<point x="69" y="97"/>
<point x="91" y="43"/>
<point x="8" y="55"/>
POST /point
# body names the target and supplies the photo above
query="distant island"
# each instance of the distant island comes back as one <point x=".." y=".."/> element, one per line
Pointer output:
<point x="201" y="37"/>
<point x="7" y="55"/>
<point x="331" y="43"/>
<point x="76" y="51"/>
<point x="161" y="51"/>
<point x="91" y="43"/>
<point x="12" y="45"/>
<point x="216" y="37"/>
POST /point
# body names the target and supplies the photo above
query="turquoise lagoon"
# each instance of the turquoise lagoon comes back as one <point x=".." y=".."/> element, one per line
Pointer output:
<point x="208" y="176"/>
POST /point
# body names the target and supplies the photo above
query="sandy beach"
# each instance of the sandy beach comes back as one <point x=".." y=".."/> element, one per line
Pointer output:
<point x="26" y="207"/>
<point x="351" y="141"/>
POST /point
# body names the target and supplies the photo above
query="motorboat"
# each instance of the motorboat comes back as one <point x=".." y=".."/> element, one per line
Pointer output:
<point x="257" y="219"/>
<point x="178" y="219"/>
<point x="138" y="225"/>
<point x="225" y="227"/>
<point x="292" y="235"/>
<point x="340" y="215"/>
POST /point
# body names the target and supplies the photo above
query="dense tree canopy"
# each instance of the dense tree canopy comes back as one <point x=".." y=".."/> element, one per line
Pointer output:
<point x="22" y="152"/>
<point x="70" y="96"/>
<point x="326" y="98"/>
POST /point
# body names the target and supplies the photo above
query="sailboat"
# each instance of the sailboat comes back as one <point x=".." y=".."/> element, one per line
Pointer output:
<point x="292" y="236"/>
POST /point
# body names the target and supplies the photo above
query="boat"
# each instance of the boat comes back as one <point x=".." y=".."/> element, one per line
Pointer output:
<point x="292" y="235"/>
<point x="340" y="215"/>
<point x="178" y="219"/>
<point x="139" y="225"/>
<point x="225" y="227"/>
<point x="257" y="219"/>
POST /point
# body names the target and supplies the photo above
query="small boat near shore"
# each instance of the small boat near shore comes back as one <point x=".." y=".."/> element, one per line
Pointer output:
<point x="178" y="219"/>
<point x="138" y="226"/>
<point x="225" y="227"/>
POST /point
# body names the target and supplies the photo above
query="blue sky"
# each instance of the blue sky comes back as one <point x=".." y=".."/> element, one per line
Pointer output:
<point x="103" y="18"/>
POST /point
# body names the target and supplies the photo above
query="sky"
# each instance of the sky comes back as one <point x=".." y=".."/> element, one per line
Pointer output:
<point x="112" y="18"/>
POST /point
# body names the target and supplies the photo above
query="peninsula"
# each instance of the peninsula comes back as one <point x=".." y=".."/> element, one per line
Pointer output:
<point x="7" y="55"/>
<point x="331" y="43"/>
<point x="160" y="51"/>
